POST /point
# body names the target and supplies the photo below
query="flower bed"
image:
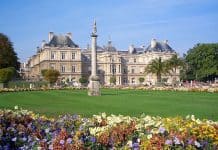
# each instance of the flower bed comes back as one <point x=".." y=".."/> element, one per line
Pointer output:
<point x="39" y="89"/>
<point x="22" y="129"/>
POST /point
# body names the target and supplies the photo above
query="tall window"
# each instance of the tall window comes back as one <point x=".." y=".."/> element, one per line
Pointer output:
<point x="62" y="68"/>
<point x="73" y="68"/>
<point x="134" y="60"/>
<point x="119" y="68"/>
<point x="52" y="55"/>
<point x="124" y="71"/>
<point x="133" y="80"/>
<point x="124" y="80"/>
<point x="62" y="56"/>
<point x="113" y="69"/>
<point x="133" y="70"/>
<point x="73" y="55"/>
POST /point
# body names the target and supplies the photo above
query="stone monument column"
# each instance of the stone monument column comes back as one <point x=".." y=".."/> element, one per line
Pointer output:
<point x="94" y="85"/>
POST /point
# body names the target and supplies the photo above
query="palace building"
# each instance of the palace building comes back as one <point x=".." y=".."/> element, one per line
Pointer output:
<point x="62" y="54"/>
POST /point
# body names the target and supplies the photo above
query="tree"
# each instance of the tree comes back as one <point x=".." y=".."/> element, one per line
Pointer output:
<point x="141" y="80"/>
<point x="43" y="72"/>
<point x="8" y="57"/>
<point x="157" y="67"/>
<point x="50" y="75"/>
<point x="202" y="61"/>
<point x="6" y="75"/>
<point x="173" y="64"/>
<point x="113" y="80"/>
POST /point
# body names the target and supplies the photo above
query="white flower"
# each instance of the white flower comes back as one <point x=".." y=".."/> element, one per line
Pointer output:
<point x="47" y="130"/>
<point x="14" y="139"/>
<point x="176" y="141"/>
<point x="138" y="140"/>
<point x="103" y="115"/>
<point x="149" y="136"/>
<point x="129" y="143"/>
<point x="16" y="107"/>
<point x="197" y="144"/>
<point x="192" y="117"/>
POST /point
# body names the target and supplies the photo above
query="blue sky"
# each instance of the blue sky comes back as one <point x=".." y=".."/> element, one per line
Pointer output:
<point x="183" y="22"/>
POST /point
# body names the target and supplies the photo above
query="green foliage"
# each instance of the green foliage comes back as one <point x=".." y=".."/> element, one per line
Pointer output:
<point x="141" y="80"/>
<point x="8" y="57"/>
<point x="202" y="61"/>
<point x="51" y="75"/>
<point x="83" y="80"/>
<point x="174" y="63"/>
<point x="6" y="74"/>
<point x="43" y="72"/>
<point x="26" y="84"/>
<point x="158" y="67"/>
<point x="113" y="80"/>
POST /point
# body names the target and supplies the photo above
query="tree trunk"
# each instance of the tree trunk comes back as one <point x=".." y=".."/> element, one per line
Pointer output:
<point x="158" y="78"/>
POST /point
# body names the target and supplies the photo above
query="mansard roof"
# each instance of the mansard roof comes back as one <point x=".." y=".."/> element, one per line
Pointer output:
<point x="61" y="41"/>
<point x="160" y="47"/>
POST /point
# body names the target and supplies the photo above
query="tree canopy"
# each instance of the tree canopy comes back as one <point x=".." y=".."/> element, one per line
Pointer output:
<point x="202" y="61"/>
<point x="8" y="57"/>
<point x="6" y="74"/>
<point x="50" y="75"/>
<point x="157" y="67"/>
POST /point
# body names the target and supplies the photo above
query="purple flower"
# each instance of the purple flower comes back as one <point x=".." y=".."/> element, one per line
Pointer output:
<point x="93" y="139"/>
<point x="162" y="130"/>
<point x="69" y="140"/>
<point x="190" y="141"/>
<point x="135" y="146"/>
<point x="168" y="142"/>
<point x="62" y="142"/>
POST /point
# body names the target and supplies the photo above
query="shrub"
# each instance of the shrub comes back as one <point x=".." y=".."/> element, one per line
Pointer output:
<point x="6" y="74"/>
<point x="141" y="80"/>
<point x="113" y="80"/>
<point x="83" y="80"/>
<point x="50" y="75"/>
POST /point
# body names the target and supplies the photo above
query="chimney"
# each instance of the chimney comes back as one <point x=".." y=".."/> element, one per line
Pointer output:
<point x="50" y="36"/>
<point x="153" y="43"/>
<point x="69" y="34"/>
<point x="131" y="49"/>
<point x="43" y="43"/>
<point x="166" y="41"/>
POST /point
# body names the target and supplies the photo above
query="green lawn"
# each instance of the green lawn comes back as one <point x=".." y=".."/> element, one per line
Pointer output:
<point x="126" y="102"/>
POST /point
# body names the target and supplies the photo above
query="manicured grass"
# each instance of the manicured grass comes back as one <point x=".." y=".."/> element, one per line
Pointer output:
<point x="126" y="102"/>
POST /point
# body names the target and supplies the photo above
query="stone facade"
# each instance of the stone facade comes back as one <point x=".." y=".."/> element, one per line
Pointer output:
<point x="62" y="54"/>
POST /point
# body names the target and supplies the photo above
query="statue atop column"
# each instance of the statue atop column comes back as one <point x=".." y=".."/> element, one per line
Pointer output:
<point x="94" y="85"/>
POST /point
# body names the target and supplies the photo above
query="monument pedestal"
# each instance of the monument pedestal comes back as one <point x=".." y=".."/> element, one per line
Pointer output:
<point x="94" y="88"/>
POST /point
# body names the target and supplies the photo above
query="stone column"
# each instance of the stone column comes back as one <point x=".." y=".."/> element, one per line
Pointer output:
<point x="94" y="56"/>
<point x="94" y="85"/>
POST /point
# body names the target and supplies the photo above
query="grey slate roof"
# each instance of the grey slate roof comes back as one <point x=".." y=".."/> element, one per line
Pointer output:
<point x="61" y="41"/>
<point x="110" y="47"/>
<point x="160" y="47"/>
